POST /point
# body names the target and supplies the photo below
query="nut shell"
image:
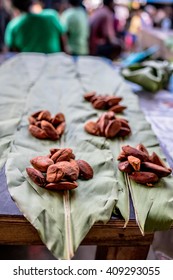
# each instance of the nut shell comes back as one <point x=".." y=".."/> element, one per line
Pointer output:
<point x="144" y="177"/>
<point x="85" y="170"/>
<point x="50" y="130"/>
<point x="112" y="128"/>
<point x="160" y="171"/>
<point x="125" y="166"/>
<point x="44" y="115"/>
<point x="36" y="176"/>
<point x="38" y="132"/>
<point x="41" y="163"/>
<point x="92" y="128"/>
<point x="58" y="118"/>
<point x="60" y="186"/>
<point x="130" y="151"/>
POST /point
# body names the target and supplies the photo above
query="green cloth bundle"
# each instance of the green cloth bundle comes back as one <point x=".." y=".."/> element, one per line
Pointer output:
<point x="151" y="75"/>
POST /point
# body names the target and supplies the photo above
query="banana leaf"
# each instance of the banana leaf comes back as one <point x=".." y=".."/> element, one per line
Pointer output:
<point x="153" y="206"/>
<point x="61" y="219"/>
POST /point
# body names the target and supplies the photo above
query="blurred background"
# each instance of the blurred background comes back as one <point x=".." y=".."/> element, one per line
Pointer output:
<point x="137" y="24"/>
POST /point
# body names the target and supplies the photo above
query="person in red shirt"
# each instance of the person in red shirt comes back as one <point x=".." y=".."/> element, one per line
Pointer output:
<point x="103" y="41"/>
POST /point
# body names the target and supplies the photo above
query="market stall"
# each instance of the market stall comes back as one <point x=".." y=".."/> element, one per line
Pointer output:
<point x="62" y="220"/>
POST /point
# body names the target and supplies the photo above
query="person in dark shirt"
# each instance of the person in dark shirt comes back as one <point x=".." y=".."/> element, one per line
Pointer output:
<point x="4" y="19"/>
<point x="103" y="41"/>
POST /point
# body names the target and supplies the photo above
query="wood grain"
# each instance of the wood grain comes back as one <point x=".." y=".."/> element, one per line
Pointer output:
<point x="17" y="230"/>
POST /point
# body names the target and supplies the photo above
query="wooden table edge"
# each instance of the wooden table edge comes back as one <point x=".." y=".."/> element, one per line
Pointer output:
<point x="17" y="230"/>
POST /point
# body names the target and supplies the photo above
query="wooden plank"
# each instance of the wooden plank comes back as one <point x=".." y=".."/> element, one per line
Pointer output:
<point x="17" y="230"/>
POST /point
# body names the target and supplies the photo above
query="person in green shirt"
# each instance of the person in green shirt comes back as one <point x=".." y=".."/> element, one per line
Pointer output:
<point x="76" y="21"/>
<point x="34" y="32"/>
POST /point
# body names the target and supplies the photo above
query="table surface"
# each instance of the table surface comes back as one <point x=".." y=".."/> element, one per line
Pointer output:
<point x="15" y="229"/>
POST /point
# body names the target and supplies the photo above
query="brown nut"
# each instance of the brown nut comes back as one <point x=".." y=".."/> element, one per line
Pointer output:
<point x="122" y="156"/>
<point x="50" y="130"/>
<point x="38" y="124"/>
<point x="130" y="151"/>
<point x="117" y="108"/>
<point x="92" y="128"/>
<point x="60" y="186"/>
<point x="135" y="162"/>
<point x="160" y="171"/>
<point x="124" y="123"/>
<point x="70" y="170"/>
<point x="37" y="132"/>
<point x="85" y="170"/>
<point x="143" y="149"/>
<point x="58" y="118"/>
<point x="54" y="174"/>
<point x="111" y="115"/>
<point x="123" y="132"/>
<point x="144" y="177"/>
<point x="32" y="120"/>
<point x="112" y="100"/>
<point x="75" y="166"/>
<point x="60" y="128"/>
<point x="125" y="166"/>
<point x="99" y="104"/>
<point x="89" y="95"/>
<point x="94" y="98"/>
<point x="53" y="151"/>
<point x="112" y="128"/>
<point x="44" y="115"/>
<point x="36" y="176"/>
<point x="41" y="163"/>
<point x="35" y="115"/>
<point x="154" y="158"/>
<point x="103" y="122"/>
<point x="63" y="155"/>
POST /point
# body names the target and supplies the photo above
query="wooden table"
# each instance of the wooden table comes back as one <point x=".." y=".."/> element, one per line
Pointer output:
<point x="113" y="241"/>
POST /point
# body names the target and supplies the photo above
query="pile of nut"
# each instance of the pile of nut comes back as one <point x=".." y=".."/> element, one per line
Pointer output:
<point x="142" y="168"/>
<point x="59" y="170"/>
<point x="44" y="126"/>
<point x="105" y="102"/>
<point x="109" y="126"/>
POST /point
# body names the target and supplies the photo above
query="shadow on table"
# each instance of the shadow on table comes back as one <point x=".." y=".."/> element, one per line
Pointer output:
<point x="40" y="252"/>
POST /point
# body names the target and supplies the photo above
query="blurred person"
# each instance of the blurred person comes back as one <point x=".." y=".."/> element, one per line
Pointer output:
<point x="160" y="15"/>
<point x="34" y="31"/>
<point x="151" y="10"/>
<point x="4" y="19"/>
<point x="76" y="22"/>
<point x="122" y="14"/>
<point x="103" y="40"/>
<point x="135" y="25"/>
<point x="167" y="21"/>
<point x="37" y="6"/>
<point x="146" y="19"/>
<point x="60" y="5"/>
